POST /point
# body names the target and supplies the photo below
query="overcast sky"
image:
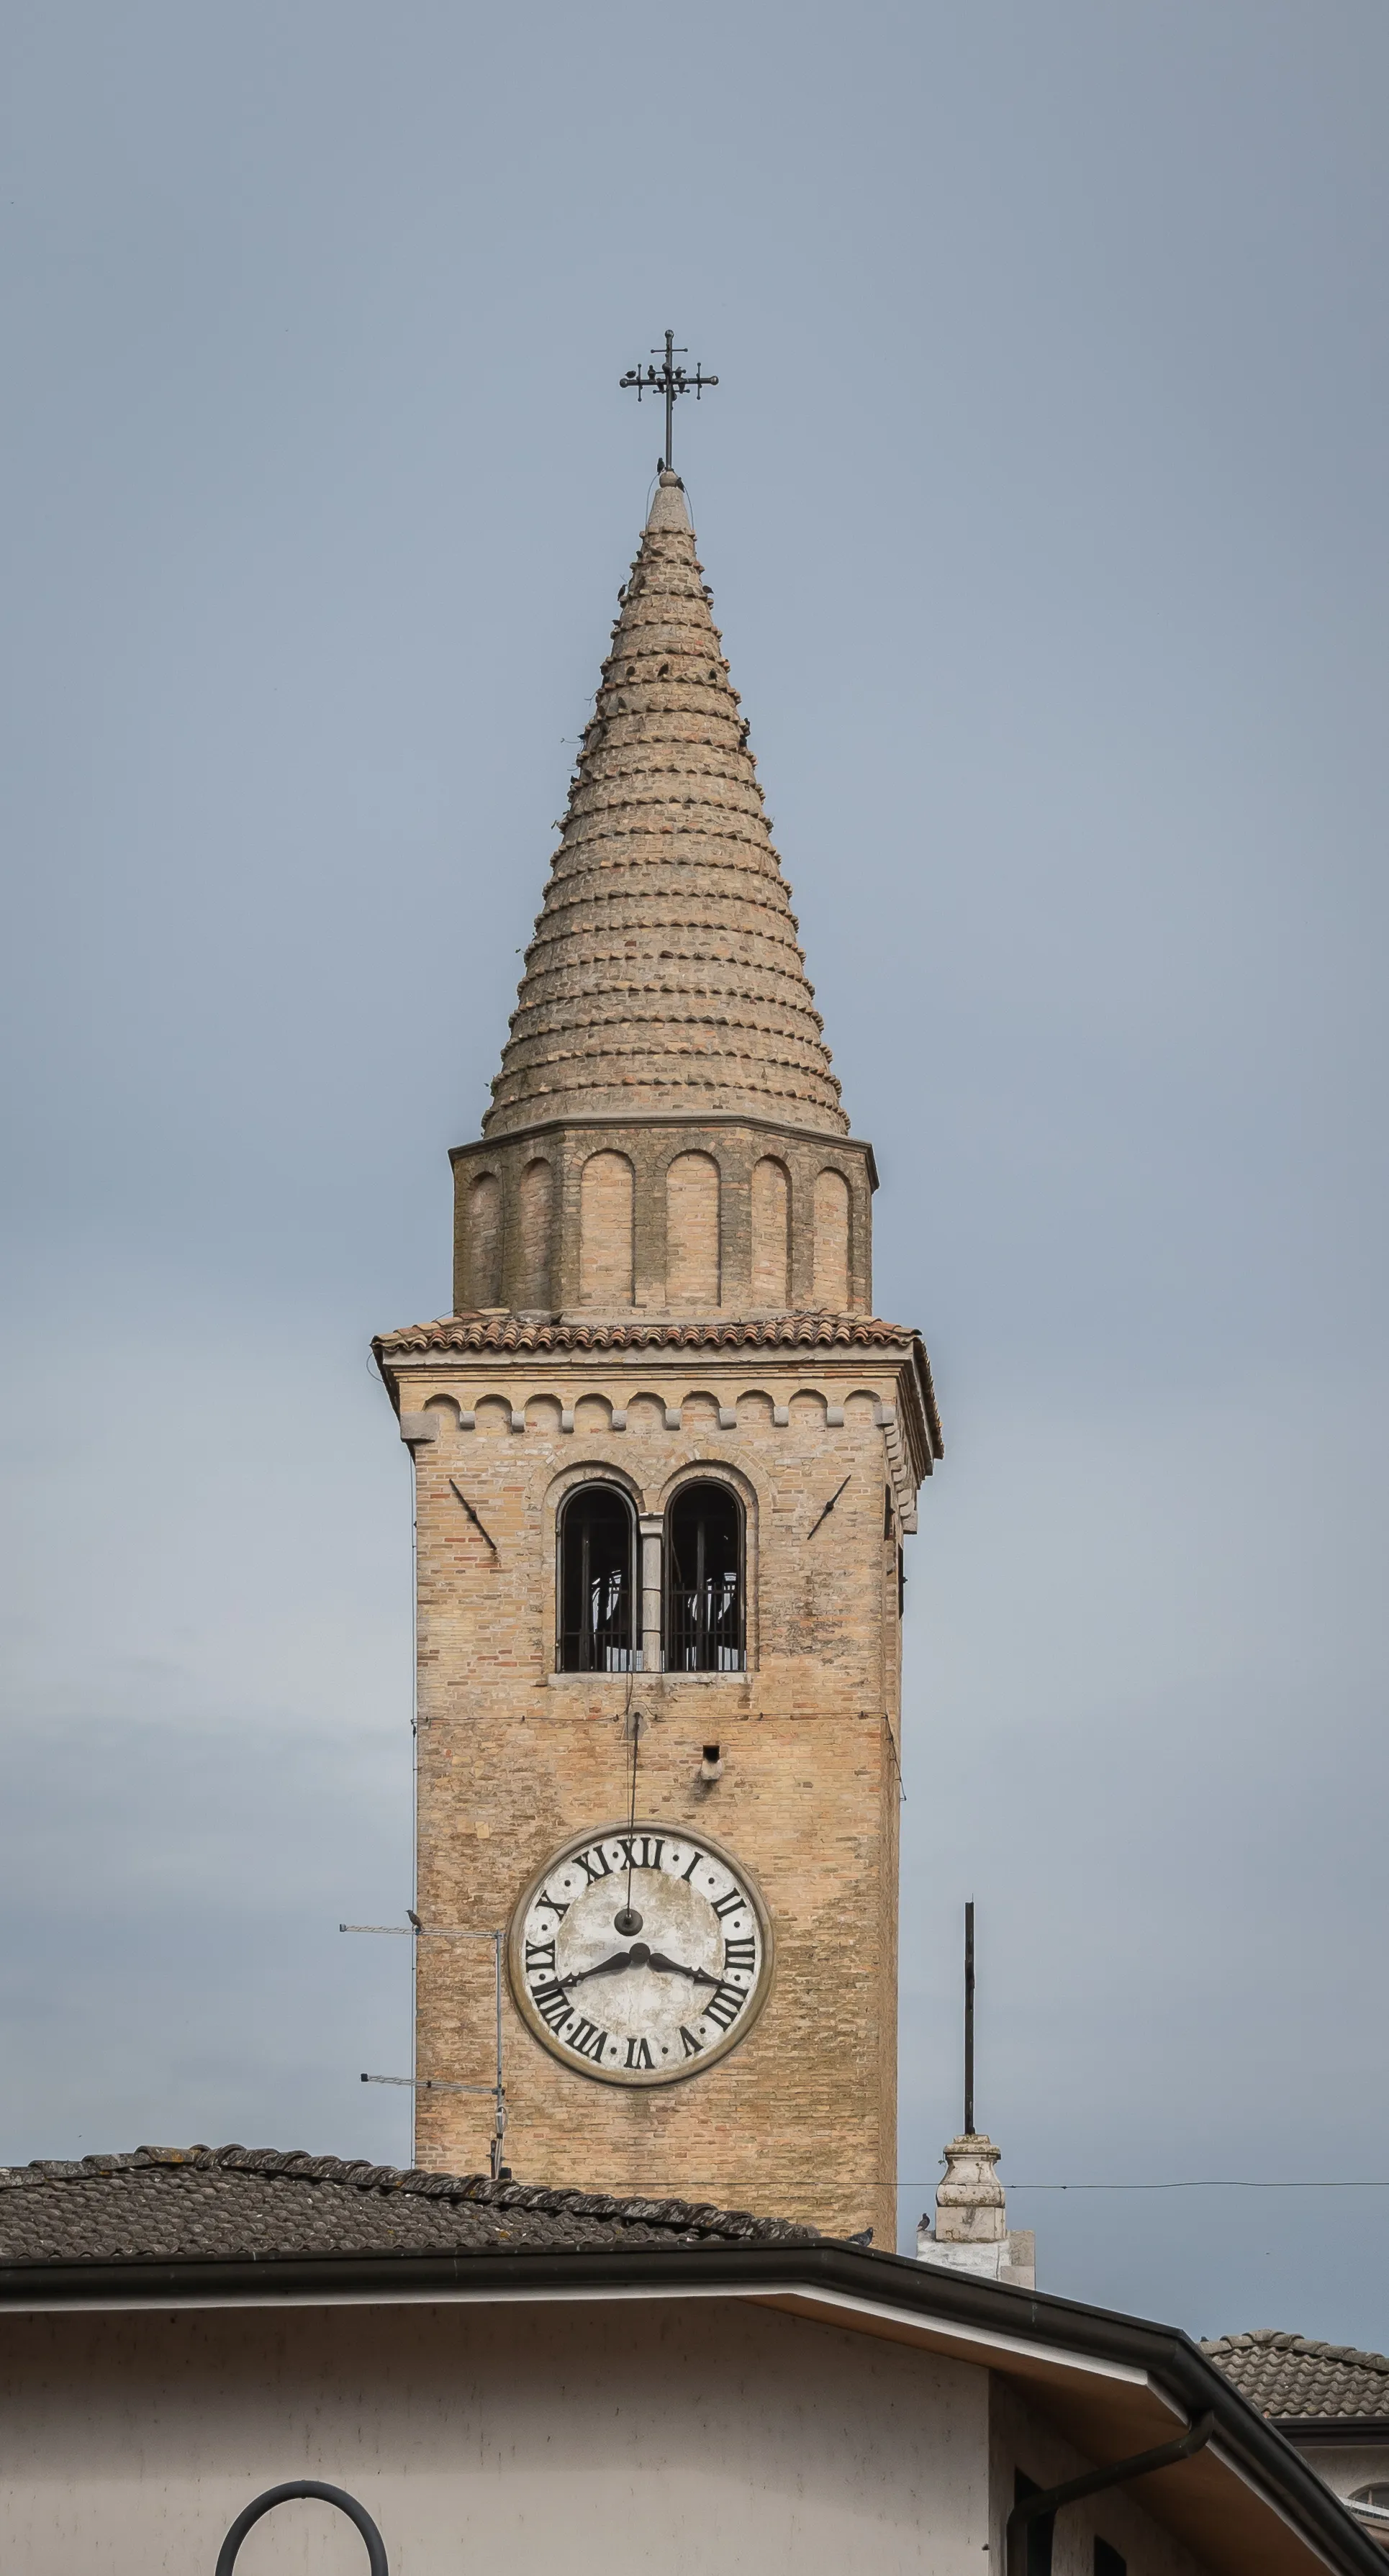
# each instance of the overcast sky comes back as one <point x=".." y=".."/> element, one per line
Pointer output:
<point x="1043" y="500"/>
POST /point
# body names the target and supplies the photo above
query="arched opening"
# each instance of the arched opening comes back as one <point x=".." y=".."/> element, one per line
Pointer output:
<point x="535" y="1200"/>
<point x="831" y="1242"/>
<point x="771" y="1234"/>
<point x="483" y="1250"/>
<point x="705" y="1586"/>
<point x="606" y="1190"/>
<point x="597" y="1619"/>
<point x="692" y="1231"/>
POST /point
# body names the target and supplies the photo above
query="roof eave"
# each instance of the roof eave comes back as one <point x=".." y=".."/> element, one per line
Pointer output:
<point x="1016" y="2332"/>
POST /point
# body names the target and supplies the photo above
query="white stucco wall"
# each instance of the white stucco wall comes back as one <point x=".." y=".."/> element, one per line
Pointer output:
<point x="1346" y="2466"/>
<point x="705" y="2438"/>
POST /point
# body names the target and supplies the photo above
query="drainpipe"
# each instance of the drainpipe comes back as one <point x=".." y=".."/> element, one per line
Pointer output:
<point x="1117" y="2474"/>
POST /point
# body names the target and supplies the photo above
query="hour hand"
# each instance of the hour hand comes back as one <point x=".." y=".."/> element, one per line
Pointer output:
<point x="605" y="1968"/>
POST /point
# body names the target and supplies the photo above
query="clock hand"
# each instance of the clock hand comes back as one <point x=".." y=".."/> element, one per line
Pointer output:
<point x="673" y="1968"/>
<point x="605" y="1968"/>
<point x="639" y="1956"/>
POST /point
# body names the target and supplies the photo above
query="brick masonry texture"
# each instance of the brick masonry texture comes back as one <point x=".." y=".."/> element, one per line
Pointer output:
<point x="614" y="1232"/>
<point x="514" y="1758"/>
<point x="666" y="956"/>
<point x="663" y="1268"/>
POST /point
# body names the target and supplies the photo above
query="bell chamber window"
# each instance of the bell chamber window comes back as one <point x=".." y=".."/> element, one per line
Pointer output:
<point x="705" y="1622"/>
<point x="597" y="1582"/>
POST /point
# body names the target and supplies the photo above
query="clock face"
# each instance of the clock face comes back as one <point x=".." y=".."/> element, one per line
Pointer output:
<point x="640" y="1957"/>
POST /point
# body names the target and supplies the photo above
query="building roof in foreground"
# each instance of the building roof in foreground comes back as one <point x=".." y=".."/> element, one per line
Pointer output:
<point x="1298" y="2381"/>
<point x="250" y="2228"/>
<point x="230" y="2204"/>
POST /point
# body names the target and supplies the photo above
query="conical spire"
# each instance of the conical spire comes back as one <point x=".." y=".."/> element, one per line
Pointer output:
<point x="665" y="977"/>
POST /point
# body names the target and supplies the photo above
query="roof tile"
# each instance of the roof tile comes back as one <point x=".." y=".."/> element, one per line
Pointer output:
<point x="1288" y="2376"/>
<point x="230" y="2204"/>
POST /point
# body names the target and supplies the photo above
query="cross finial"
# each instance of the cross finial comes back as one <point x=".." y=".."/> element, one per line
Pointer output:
<point x="670" y="380"/>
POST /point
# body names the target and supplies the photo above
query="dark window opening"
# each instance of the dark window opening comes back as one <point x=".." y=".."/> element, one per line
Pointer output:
<point x="1039" y="2533"/>
<point x="597" y="1582"/>
<point x="704" y="1581"/>
<point x="1108" y="2561"/>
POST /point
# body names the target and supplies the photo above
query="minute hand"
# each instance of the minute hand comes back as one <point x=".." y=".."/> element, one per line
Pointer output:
<point x="673" y="1968"/>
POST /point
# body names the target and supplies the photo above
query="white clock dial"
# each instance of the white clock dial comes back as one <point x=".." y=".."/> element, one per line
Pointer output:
<point x="640" y="1957"/>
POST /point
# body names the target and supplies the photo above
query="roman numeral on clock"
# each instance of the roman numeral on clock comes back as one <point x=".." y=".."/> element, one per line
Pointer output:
<point x="588" y="2041"/>
<point x="545" y="1898"/>
<point x="539" y="1956"/>
<point x="724" y="2006"/>
<point x="638" y="2054"/>
<point x="733" y="1903"/>
<point x="740" y="1954"/>
<point x="552" y="2003"/>
<point x="594" y="1863"/>
<point x="640" y="1851"/>
<point x="690" y="2046"/>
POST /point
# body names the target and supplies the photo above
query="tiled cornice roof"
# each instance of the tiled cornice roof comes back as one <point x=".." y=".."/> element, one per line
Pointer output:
<point x="487" y="1332"/>
<point x="665" y="972"/>
<point x="1286" y="2375"/>
<point x="480" y="1333"/>
<point x="230" y="2204"/>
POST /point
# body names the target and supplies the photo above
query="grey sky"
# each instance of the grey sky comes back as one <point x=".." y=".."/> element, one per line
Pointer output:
<point x="1043" y="502"/>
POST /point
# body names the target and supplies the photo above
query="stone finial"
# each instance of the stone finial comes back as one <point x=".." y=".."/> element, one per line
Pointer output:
<point x="970" y="2205"/>
<point x="971" y="2231"/>
<point x="668" y="508"/>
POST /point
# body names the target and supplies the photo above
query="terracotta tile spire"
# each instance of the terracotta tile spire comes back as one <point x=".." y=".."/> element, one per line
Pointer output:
<point x="665" y="975"/>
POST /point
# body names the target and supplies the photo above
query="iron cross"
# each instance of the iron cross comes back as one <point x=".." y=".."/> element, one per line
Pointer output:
<point x="670" y="380"/>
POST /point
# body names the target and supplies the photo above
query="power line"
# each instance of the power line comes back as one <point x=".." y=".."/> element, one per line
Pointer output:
<point x="1216" y="2184"/>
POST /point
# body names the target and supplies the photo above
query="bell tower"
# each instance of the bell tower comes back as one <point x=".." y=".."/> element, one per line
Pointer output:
<point x="665" y="1460"/>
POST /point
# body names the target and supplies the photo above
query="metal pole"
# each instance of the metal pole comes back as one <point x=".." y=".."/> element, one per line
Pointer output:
<point x="670" y="394"/>
<point x="499" y="2130"/>
<point x="969" y="2019"/>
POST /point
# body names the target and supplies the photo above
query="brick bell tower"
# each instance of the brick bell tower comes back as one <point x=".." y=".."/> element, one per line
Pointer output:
<point x="665" y="1459"/>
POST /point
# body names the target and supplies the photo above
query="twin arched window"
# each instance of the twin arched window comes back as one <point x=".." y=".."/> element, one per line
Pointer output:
<point x="703" y="1582"/>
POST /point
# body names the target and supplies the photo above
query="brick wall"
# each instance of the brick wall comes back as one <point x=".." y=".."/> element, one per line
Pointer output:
<point x="676" y="1217"/>
<point x="514" y="1759"/>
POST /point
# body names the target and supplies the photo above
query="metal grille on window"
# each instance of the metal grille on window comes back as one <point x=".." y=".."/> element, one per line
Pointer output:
<point x="705" y="1628"/>
<point x="597" y="1583"/>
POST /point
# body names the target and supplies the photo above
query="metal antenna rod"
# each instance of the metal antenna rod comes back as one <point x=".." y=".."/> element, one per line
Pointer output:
<point x="417" y="1931"/>
<point x="499" y="2131"/>
<point x="969" y="2019"/>
<point x="670" y="397"/>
